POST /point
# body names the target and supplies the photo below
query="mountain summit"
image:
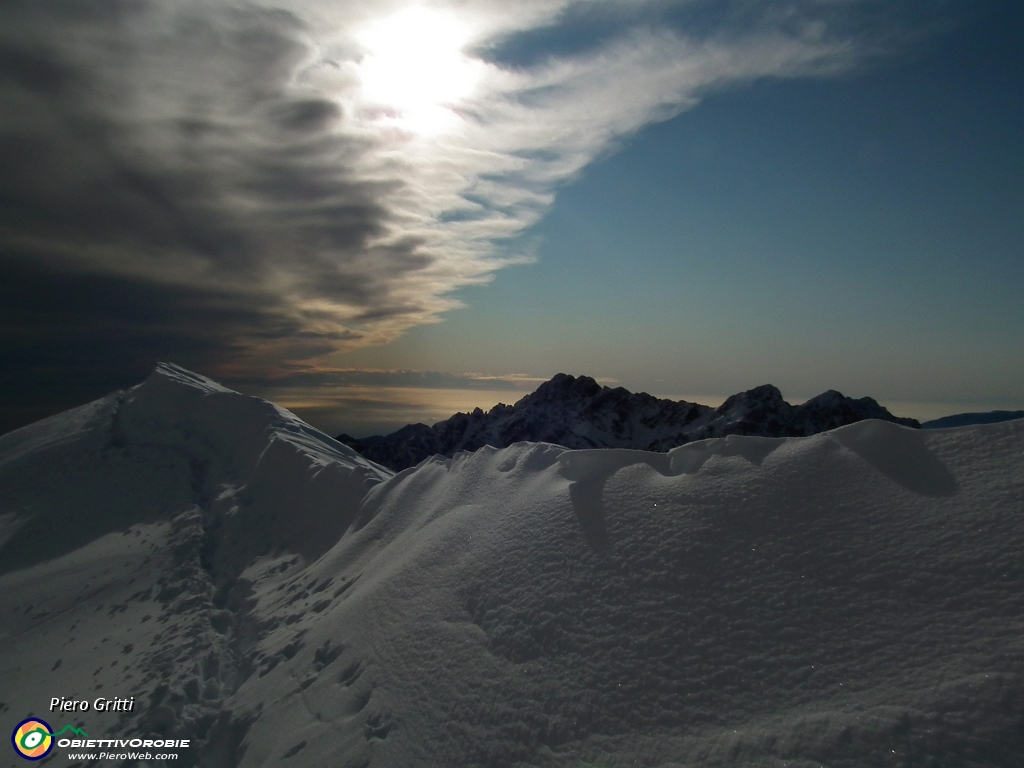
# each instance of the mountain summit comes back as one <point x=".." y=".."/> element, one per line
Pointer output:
<point x="577" y="412"/>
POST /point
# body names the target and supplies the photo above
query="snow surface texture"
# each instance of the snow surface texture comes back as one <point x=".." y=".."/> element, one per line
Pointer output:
<point x="855" y="598"/>
<point x="577" y="412"/>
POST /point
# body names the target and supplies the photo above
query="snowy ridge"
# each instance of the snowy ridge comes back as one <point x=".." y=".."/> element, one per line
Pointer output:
<point x="847" y="599"/>
<point x="577" y="412"/>
<point x="176" y="439"/>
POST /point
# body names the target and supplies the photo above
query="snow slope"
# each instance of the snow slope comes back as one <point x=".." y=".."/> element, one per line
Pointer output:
<point x="855" y="598"/>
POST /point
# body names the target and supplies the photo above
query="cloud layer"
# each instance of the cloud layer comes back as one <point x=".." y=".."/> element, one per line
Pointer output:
<point x="246" y="187"/>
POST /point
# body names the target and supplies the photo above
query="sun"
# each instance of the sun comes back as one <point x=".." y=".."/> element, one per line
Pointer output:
<point x="415" y="69"/>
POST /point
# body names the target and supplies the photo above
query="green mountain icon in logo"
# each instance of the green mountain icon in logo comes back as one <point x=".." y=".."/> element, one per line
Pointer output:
<point x="69" y="727"/>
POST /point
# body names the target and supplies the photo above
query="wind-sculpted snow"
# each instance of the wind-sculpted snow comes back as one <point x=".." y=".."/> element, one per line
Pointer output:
<point x="855" y="598"/>
<point x="577" y="412"/>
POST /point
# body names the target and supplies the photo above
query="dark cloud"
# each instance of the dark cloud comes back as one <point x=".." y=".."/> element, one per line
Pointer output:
<point x="69" y="336"/>
<point x="307" y="115"/>
<point x="166" y="194"/>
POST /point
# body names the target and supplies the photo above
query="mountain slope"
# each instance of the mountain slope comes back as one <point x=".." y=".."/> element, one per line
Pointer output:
<point x="124" y="528"/>
<point x="847" y="599"/>
<point x="140" y="455"/>
<point x="577" y="412"/>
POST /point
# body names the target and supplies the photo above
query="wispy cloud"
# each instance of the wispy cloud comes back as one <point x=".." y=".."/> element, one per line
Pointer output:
<point x="241" y="184"/>
<point x="334" y="378"/>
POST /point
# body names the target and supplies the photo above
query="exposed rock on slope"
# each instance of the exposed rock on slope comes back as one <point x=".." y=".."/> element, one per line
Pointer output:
<point x="577" y="412"/>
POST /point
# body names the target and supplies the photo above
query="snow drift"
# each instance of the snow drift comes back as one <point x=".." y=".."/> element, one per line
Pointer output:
<point x="853" y="598"/>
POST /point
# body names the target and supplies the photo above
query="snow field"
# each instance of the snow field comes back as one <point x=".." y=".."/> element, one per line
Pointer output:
<point x="832" y="599"/>
<point x="855" y="598"/>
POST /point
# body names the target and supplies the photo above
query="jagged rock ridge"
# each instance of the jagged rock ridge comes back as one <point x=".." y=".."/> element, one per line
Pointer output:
<point x="577" y="412"/>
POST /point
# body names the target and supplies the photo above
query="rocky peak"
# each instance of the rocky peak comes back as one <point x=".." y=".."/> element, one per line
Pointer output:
<point x="765" y="396"/>
<point x="562" y="387"/>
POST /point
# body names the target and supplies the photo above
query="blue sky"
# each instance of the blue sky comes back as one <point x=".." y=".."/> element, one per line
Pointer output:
<point x="382" y="213"/>
<point x="862" y="233"/>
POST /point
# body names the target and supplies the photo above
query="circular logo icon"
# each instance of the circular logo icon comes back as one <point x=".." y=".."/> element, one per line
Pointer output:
<point x="33" y="738"/>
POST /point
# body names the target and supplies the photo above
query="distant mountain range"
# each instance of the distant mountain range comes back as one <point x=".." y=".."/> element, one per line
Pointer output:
<point x="577" y="412"/>
<point x="966" y="419"/>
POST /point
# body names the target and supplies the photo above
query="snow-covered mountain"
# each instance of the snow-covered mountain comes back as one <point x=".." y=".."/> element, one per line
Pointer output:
<point x="124" y="527"/>
<point x="849" y="599"/>
<point x="577" y="412"/>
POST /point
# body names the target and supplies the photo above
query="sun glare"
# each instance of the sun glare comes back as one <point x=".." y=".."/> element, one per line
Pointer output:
<point x="415" y="70"/>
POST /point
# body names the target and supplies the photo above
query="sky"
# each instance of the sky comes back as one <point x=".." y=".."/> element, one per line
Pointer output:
<point x="381" y="213"/>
